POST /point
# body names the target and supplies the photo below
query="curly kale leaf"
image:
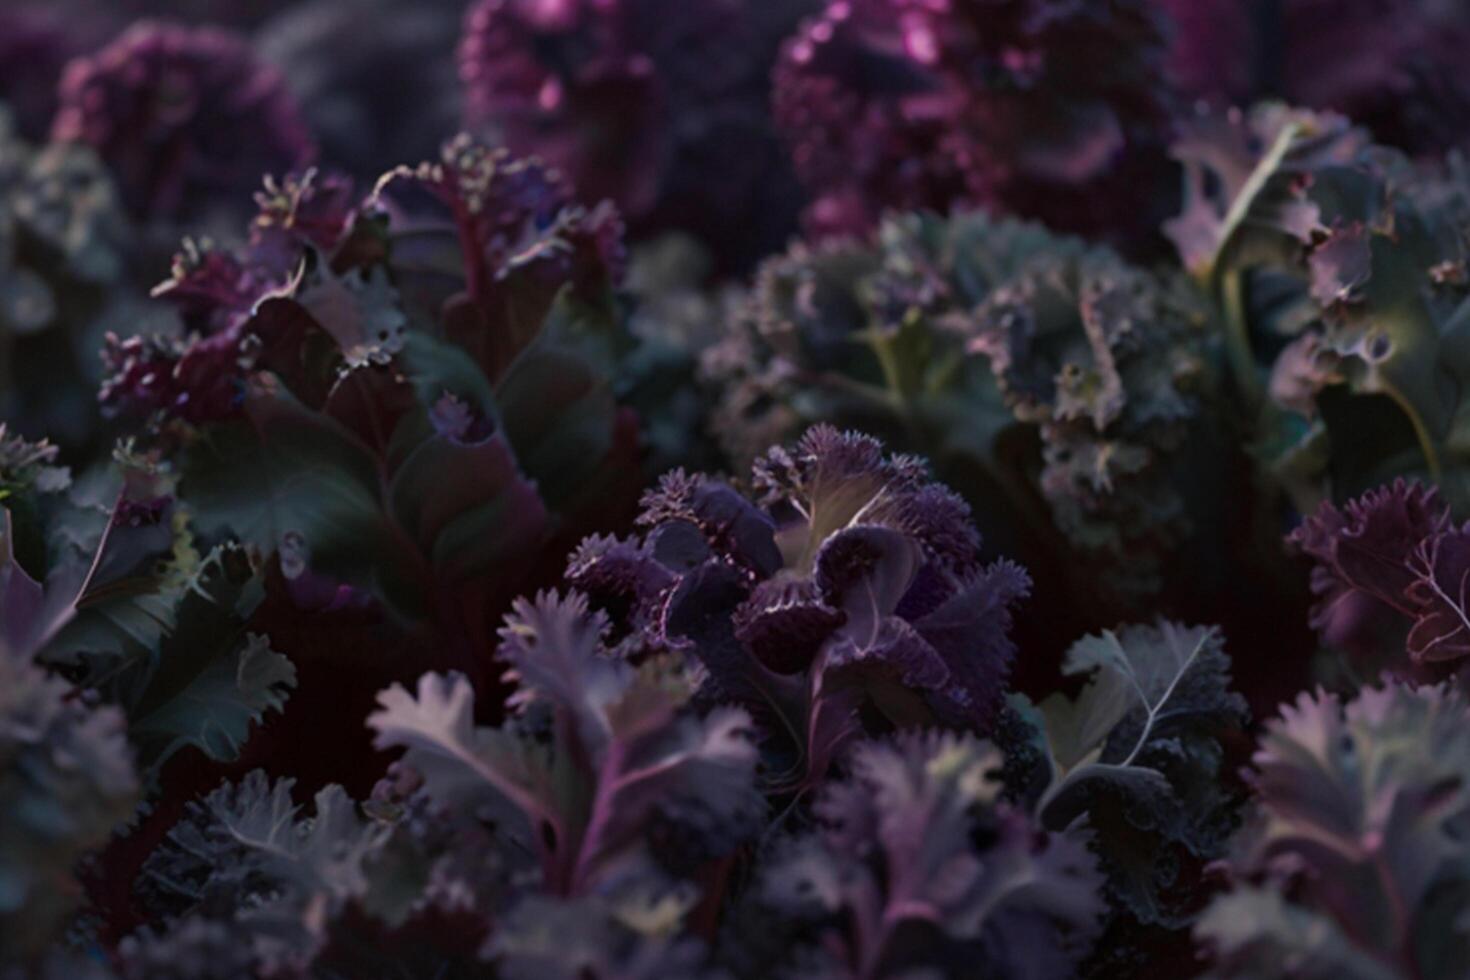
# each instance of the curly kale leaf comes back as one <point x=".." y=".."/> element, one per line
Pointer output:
<point x="1248" y="182"/>
<point x="132" y="614"/>
<point x="1138" y="753"/>
<point x="623" y="753"/>
<point x="66" y="780"/>
<point x="248" y="857"/>
<point x="1363" y="552"/>
<point x="964" y="338"/>
<point x="386" y="386"/>
<point x="193" y="675"/>
<point x="852" y="591"/>
<point x="917" y="865"/>
<point x="1391" y="571"/>
<point x="1355" y="862"/>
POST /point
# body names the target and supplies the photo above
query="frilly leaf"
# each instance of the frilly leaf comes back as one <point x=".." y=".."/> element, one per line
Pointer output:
<point x="1137" y="752"/>
<point x="1363" y="552"/>
<point x="466" y="768"/>
<point x="1357" y="842"/>
<point x="559" y="940"/>
<point x="898" y="847"/>
<point x="247" y="855"/>
<point x="1244" y="192"/>
<point x="66" y="780"/>
<point x="554" y="648"/>
<point x="621" y="757"/>
<point x="190" y="674"/>
<point x="1148" y="681"/>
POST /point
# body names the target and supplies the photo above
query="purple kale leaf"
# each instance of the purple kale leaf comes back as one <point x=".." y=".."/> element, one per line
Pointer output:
<point x="507" y="232"/>
<point x="662" y="109"/>
<point x="599" y="761"/>
<point x="358" y="488"/>
<point x="374" y="389"/>
<point x="852" y="585"/>
<point x="1020" y="106"/>
<point x="201" y="376"/>
<point x="1441" y="569"/>
<point x="1363" y="552"/>
<point x="1388" y="563"/>
<point x="1355" y="862"/>
<point x="186" y="118"/>
<point x="916" y="865"/>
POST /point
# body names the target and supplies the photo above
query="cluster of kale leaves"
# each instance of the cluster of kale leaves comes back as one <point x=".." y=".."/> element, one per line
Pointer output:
<point x="782" y="567"/>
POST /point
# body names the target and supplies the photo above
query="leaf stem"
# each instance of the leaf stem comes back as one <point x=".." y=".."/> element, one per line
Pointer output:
<point x="882" y="345"/>
<point x="1421" y="433"/>
<point x="1238" y="340"/>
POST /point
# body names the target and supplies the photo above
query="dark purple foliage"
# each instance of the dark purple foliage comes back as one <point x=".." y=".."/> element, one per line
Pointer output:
<point x="1038" y="109"/>
<point x="916" y="864"/>
<point x="198" y="380"/>
<point x="851" y="585"/>
<point x="1362" y="551"/>
<point x="1390" y="65"/>
<point x="201" y="378"/>
<point x="1388" y="561"/>
<point x="1353" y="861"/>
<point x="542" y="104"/>
<point x="185" y="117"/>
<point x="660" y="107"/>
<point x="1441" y="568"/>
<point x="507" y="213"/>
<point x="378" y="603"/>
<point x="35" y="45"/>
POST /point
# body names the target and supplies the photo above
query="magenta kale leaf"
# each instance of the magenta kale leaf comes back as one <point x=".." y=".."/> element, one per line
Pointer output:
<point x="664" y="109"/>
<point x="183" y="116"/>
<point x="1020" y="106"/>
<point x="1441" y="569"/>
<point x="1388" y="563"/>
<point x="1363" y="552"/>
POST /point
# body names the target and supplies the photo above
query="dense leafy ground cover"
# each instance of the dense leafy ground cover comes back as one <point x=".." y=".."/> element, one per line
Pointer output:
<point x="625" y="489"/>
